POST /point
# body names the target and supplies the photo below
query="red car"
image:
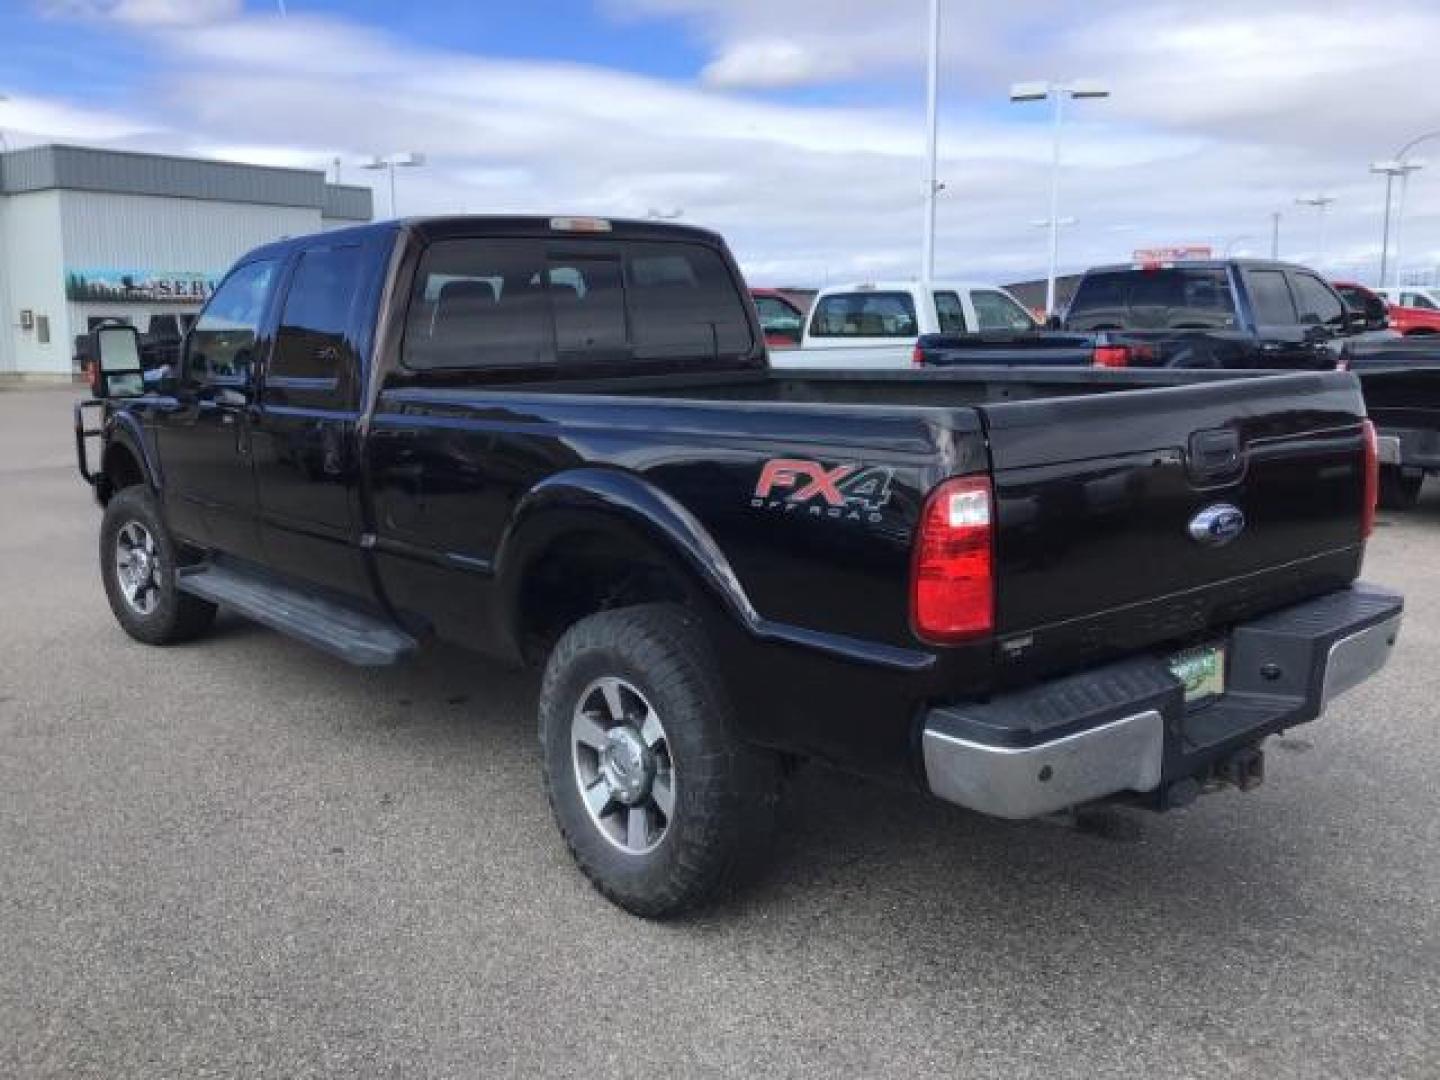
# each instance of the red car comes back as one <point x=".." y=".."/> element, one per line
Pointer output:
<point x="1409" y="321"/>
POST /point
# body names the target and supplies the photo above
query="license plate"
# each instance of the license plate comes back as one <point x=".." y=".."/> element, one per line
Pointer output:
<point x="1201" y="671"/>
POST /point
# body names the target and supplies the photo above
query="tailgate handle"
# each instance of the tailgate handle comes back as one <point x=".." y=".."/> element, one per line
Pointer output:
<point x="1215" y="455"/>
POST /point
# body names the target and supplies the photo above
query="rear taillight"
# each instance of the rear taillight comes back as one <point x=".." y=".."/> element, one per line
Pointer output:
<point x="917" y="357"/>
<point x="1112" y="356"/>
<point x="1372" y="480"/>
<point x="952" y="581"/>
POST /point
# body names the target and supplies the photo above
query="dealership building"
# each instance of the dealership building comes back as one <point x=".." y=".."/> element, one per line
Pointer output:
<point x="90" y="235"/>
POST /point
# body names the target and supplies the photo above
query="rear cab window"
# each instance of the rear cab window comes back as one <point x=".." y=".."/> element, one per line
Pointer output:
<point x="1158" y="298"/>
<point x="865" y="315"/>
<point x="537" y="307"/>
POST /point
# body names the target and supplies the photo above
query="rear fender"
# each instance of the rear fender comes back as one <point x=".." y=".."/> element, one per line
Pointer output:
<point x="629" y="508"/>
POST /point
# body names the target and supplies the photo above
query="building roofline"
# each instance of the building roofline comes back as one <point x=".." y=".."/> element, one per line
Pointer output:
<point x="67" y="166"/>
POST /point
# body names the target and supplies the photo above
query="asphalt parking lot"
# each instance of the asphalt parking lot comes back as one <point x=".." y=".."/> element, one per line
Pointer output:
<point x="242" y="858"/>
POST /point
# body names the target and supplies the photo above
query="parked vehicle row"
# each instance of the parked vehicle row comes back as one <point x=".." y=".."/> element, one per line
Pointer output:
<point x="558" y="442"/>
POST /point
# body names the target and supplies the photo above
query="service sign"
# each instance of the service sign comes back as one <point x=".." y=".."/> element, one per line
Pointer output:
<point x="137" y="286"/>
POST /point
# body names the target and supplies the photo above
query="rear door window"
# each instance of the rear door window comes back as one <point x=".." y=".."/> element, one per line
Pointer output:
<point x="1270" y="298"/>
<point x="684" y="304"/>
<point x="996" y="311"/>
<point x="1317" y="305"/>
<point x="950" y="313"/>
<point x="479" y="304"/>
<point x="865" y="315"/>
<point x="313" y="345"/>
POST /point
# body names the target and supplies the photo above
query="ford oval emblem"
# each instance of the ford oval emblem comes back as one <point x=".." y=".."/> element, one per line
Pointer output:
<point x="1217" y="524"/>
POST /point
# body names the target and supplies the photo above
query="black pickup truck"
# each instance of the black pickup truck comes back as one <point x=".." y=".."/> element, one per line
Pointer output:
<point x="557" y="442"/>
<point x="1227" y="314"/>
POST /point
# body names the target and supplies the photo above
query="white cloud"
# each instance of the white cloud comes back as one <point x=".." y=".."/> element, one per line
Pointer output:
<point x="31" y="119"/>
<point x="773" y="64"/>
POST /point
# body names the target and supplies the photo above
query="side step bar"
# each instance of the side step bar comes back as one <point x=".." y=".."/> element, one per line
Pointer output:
<point x="351" y="635"/>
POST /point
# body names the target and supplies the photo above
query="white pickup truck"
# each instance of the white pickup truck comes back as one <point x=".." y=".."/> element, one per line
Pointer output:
<point x="875" y="324"/>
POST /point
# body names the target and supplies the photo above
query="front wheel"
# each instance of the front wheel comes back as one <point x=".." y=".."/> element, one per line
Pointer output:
<point x="139" y="562"/>
<point x="1399" y="490"/>
<point x="661" y="804"/>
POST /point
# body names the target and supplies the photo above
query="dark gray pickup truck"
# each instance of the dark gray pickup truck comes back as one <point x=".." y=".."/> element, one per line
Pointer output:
<point x="558" y="442"/>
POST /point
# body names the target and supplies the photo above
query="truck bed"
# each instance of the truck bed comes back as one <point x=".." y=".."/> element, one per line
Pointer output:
<point x="1097" y="478"/>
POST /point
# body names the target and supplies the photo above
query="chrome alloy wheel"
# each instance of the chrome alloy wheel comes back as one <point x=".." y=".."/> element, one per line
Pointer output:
<point x="623" y="765"/>
<point x="137" y="567"/>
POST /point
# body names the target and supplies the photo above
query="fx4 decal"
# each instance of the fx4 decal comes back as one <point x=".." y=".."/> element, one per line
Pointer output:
<point x="794" y="485"/>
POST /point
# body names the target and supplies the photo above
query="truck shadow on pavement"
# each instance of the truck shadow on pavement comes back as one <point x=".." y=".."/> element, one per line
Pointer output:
<point x="874" y="867"/>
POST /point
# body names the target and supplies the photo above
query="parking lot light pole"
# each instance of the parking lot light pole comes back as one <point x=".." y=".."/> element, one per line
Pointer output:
<point x="409" y="160"/>
<point x="1402" y="158"/>
<point x="1057" y="93"/>
<point x="1390" y="170"/>
<point x="932" y="149"/>
<point x="1321" y="203"/>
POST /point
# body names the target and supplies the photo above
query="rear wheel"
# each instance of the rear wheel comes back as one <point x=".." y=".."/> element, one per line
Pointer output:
<point x="138" y="562"/>
<point x="1399" y="490"/>
<point x="661" y="804"/>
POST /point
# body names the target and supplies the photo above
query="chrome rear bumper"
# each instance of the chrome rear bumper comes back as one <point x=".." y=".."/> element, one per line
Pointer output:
<point x="1125" y="727"/>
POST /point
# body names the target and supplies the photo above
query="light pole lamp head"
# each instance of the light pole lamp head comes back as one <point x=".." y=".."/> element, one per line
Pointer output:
<point x="409" y="160"/>
<point x="1029" y="91"/>
<point x="375" y="163"/>
<point x="1088" y="88"/>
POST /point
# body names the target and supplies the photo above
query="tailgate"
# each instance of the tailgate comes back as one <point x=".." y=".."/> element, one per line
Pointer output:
<point x="1116" y="527"/>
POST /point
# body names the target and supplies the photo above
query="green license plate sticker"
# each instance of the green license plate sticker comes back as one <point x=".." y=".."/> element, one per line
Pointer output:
<point x="1201" y="671"/>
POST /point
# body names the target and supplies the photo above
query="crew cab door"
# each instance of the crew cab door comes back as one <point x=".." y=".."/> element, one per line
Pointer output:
<point x="209" y="486"/>
<point x="307" y="465"/>
<point x="1281" y="340"/>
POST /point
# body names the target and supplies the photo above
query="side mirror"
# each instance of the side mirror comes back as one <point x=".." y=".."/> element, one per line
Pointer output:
<point x="116" y="349"/>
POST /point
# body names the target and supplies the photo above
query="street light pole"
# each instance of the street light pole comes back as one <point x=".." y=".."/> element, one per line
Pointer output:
<point x="1406" y="168"/>
<point x="1275" y="234"/>
<point x="1057" y="93"/>
<point x="409" y="160"/>
<point x="932" y="149"/>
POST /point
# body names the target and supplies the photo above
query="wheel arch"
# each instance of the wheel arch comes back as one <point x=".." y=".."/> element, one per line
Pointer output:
<point x="589" y="540"/>
<point x="126" y="460"/>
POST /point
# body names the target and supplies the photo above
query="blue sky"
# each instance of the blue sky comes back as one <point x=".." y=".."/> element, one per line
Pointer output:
<point x="793" y="126"/>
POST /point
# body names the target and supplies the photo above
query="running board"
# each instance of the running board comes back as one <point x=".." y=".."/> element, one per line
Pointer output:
<point x="351" y="635"/>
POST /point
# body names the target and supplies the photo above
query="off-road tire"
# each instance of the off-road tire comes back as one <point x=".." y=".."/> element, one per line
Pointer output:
<point x="176" y="616"/>
<point x="726" y="791"/>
